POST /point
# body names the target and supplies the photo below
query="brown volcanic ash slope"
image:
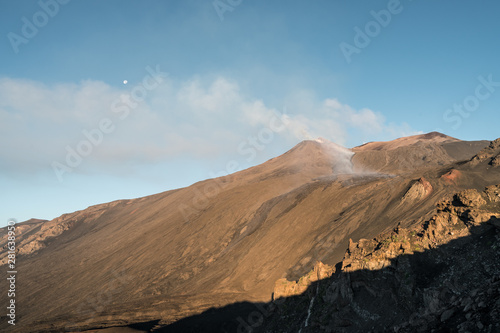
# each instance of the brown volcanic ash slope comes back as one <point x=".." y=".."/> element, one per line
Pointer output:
<point x="175" y="254"/>
<point x="410" y="153"/>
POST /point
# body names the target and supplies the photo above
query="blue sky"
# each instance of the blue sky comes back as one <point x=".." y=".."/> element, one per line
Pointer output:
<point x="226" y="81"/>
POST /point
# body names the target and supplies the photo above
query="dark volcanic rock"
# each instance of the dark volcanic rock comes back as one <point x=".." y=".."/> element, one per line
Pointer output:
<point x="442" y="276"/>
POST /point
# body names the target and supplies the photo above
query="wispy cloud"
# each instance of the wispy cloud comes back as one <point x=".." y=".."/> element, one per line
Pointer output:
<point x="199" y="118"/>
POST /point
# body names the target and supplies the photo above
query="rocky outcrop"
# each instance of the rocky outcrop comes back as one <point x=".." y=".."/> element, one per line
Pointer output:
<point x="468" y="198"/>
<point x="490" y="153"/>
<point x="418" y="190"/>
<point x="441" y="275"/>
<point x="285" y="288"/>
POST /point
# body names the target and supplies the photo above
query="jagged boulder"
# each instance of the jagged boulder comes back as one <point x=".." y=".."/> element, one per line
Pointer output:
<point x="470" y="198"/>
<point x="285" y="288"/>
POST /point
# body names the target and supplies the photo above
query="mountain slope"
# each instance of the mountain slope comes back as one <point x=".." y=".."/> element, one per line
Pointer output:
<point x="418" y="151"/>
<point x="175" y="254"/>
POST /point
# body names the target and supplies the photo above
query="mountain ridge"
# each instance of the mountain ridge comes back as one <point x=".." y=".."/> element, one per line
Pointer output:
<point x="229" y="239"/>
<point x="396" y="143"/>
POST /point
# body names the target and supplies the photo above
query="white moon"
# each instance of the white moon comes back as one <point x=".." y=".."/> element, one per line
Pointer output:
<point x="125" y="81"/>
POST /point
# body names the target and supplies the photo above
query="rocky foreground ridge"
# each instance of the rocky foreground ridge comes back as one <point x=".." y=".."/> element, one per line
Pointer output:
<point x="440" y="276"/>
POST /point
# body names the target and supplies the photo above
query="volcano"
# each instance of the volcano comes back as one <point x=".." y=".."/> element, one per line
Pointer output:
<point x="144" y="264"/>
